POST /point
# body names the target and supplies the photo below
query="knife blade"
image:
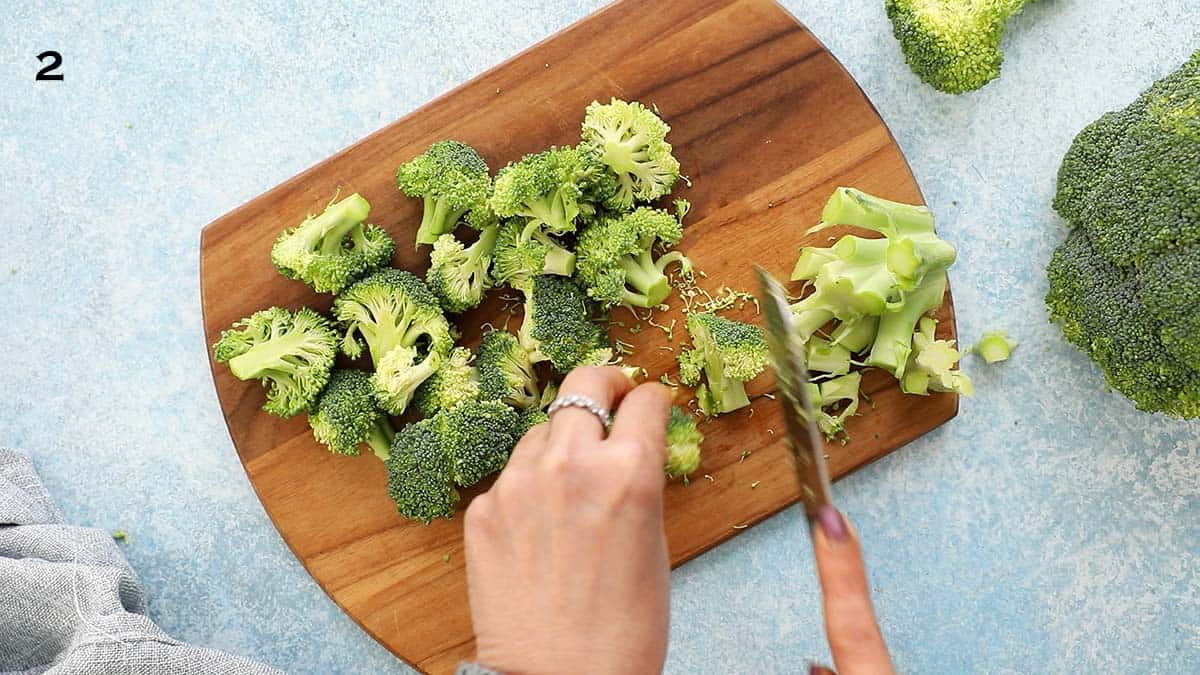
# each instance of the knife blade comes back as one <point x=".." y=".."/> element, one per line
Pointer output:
<point x="791" y="378"/>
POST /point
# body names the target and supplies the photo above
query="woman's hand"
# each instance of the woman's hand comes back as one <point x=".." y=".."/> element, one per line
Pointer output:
<point x="567" y="562"/>
<point x="854" y="638"/>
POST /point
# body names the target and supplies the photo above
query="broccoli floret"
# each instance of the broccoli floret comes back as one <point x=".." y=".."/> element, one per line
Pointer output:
<point x="631" y="141"/>
<point x="346" y="416"/>
<point x="291" y="354"/>
<point x="530" y="419"/>
<point x="616" y="261"/>
<point x="729" y="353"/>
<point x="455" y="381"/>
<point x="931" y="364"/>
<point x="544" y="189"/>
<point x="419" y="473"/>
<point x="994" y="346"/>
<point x="517" y="262"/>
<point x="834" y="402"/>
<point x="453" y="180"/>
<point x="459" y="275"/>
<point x="557" y="326"/>
<point x="1125" y="285"/>
<point x="478" y="435"/>
<point x="683" y="444"/>
<point x="404" y="328"/>
<point x="952" y="45"/>
<point x="331" y="250"/>
<point x="505" y="372"/>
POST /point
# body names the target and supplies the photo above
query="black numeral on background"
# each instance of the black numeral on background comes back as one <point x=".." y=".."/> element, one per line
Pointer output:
<point x="53" y="61"/>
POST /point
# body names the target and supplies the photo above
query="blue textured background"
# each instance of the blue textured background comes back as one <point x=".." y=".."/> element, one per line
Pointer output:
<point x="1050" y="526"/>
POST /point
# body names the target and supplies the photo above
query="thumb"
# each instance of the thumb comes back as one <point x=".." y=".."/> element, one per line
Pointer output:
<point x="854" y="638"/>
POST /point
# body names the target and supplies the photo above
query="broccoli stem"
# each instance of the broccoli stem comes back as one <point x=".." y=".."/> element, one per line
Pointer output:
<point x="558" y="260"/>
<point x="438" y="219"/>
<point x="379" y="439"/>
<point x="848" y="206"/>
<point x="268" y="356"/>
<point x="893" y="343"/>
<point x="856" y="335"/>
<point x="650" y="285"/>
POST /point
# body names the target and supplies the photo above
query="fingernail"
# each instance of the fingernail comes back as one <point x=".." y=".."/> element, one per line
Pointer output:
<point x="832" y="523"/>
<point x="817" y="669"/>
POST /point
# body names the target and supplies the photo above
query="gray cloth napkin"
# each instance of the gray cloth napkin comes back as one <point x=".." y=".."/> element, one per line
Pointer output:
<point x="69" y="603"/>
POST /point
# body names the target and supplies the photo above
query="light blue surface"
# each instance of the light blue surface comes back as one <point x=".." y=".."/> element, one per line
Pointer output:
<point x="1049" y="526"/>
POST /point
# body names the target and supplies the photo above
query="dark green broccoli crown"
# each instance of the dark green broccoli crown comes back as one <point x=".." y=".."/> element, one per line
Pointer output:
<point x="505" y="371"/>
<point x="740" y="347"/>
<point x="477" y="436"/>
<point x="630" y="140"/>
<point x="388" y="309"/>
<point x="530" y="419"/>
<point x="952" y="45"/>
<point x="449" y="170"/>
<point x="291" y="354"/>
<point x="557" y="325"/>
<point x="683" y="443"/>
<point x="330" y="250"/>
<point x="419" y="473"/>
<point x="346" y="412"/>
<point x="460" y="275"/>
<point x="1125" y="285"/>
<point x="615" y="260"/>
<point x="455" y="381"/>
<point x="542" y="187"/>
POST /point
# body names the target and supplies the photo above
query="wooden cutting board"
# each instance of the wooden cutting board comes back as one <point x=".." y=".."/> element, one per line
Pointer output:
<point x="766" y="124"/>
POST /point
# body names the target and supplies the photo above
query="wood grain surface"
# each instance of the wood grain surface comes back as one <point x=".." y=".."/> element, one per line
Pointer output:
<point x="766" y="124"/>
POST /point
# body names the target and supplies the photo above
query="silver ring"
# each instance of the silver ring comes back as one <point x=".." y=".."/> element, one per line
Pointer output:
<point x="583" y="402"/>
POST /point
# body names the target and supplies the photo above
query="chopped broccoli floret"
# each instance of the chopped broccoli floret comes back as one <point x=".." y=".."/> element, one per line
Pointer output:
<point x="557" y="326"/>
<point x="517" y="262"/>
<point x="952" y="45"/>
<point x="478" y="435"/>
<point x="455" y="381"/>
<point x="347" y="416"/>
<point x="683" y="444"/>
<point x="995" y="346"/>
<point x="616" y="261"/>
<point x="505" y="372"/>
<point x="291" y="354"/>
<point x="931" y="364"/>
<point x="459" y="275"/>
<point x="530" y="419"/>
<point x="331" y="250"/>
<point x="404" y="328"/>
<point x="729" y="353"/>
<point x="631" y="141"/>
<point x="544" y="189"/>
<point x="419" y="473"/>
<point x="1125" y="285"/>
<point x="453" y="180"/>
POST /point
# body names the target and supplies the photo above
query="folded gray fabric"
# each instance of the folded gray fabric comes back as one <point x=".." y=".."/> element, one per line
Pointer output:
<point x="69" y="603"/>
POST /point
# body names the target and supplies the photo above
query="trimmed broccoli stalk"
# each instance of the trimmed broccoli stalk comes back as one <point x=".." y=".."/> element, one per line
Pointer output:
<point x="517" y="262"/>
<point x="557" y="326"/>
<point x="405" y="331"/>
<point x="478" y="435"/>
<point x="825" y="357"/>
<point x="616" y="260"/>
<point x="347" y="416"/>
<point x="893" y="343"/>
<point x="931" y="364"/>
<point x="331" y="250"/>
<point x="856" y="335"/>
<point x="453" y="180"/>
<point x="544" y="189"/>
<point x="835" y="401"/>
<point x="631" y="141"/>
<point x="291" y="354"/>
<point x="852" y="282"/>
<point x="505" y="372"/>
<point x="455" y="381"/>
<point x="952" y="45"/>
<point x="729" y="354"/>
<point x="459" y="275"/>
<point x="995" y="346"/>
<point x="419" y="473"/>
<point x="683" y="444"/>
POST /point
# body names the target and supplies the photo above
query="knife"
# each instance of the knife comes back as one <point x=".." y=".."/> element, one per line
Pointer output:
<point x="791" y="379"/>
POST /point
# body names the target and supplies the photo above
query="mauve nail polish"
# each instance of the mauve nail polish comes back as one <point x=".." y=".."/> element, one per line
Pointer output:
<point x="832" y="523"/>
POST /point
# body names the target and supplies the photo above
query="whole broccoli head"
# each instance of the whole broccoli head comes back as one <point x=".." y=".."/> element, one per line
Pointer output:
<point x="347" y="416"/>
<point x="453" y="180"/>
<point x="331" y="250"/>
<point x="543" y="188"/>
<point x="557" y="326"/>
<point x="505" y="372"/>
<point x="683" y="444"/>
<point x="517" y="261"/>
<point x="1125" y="285"/>
<point x="616" y="258"/>
<point x="952" y="45"/>
<point x="291" y="354"/>
<point x="728" y="353"/>
<point x="419" y="473"/>
<point x="631" y="141"/>
<point x="406" y="333"/>
<point x="455" y="381"/>
<point x="460" y="275"/>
